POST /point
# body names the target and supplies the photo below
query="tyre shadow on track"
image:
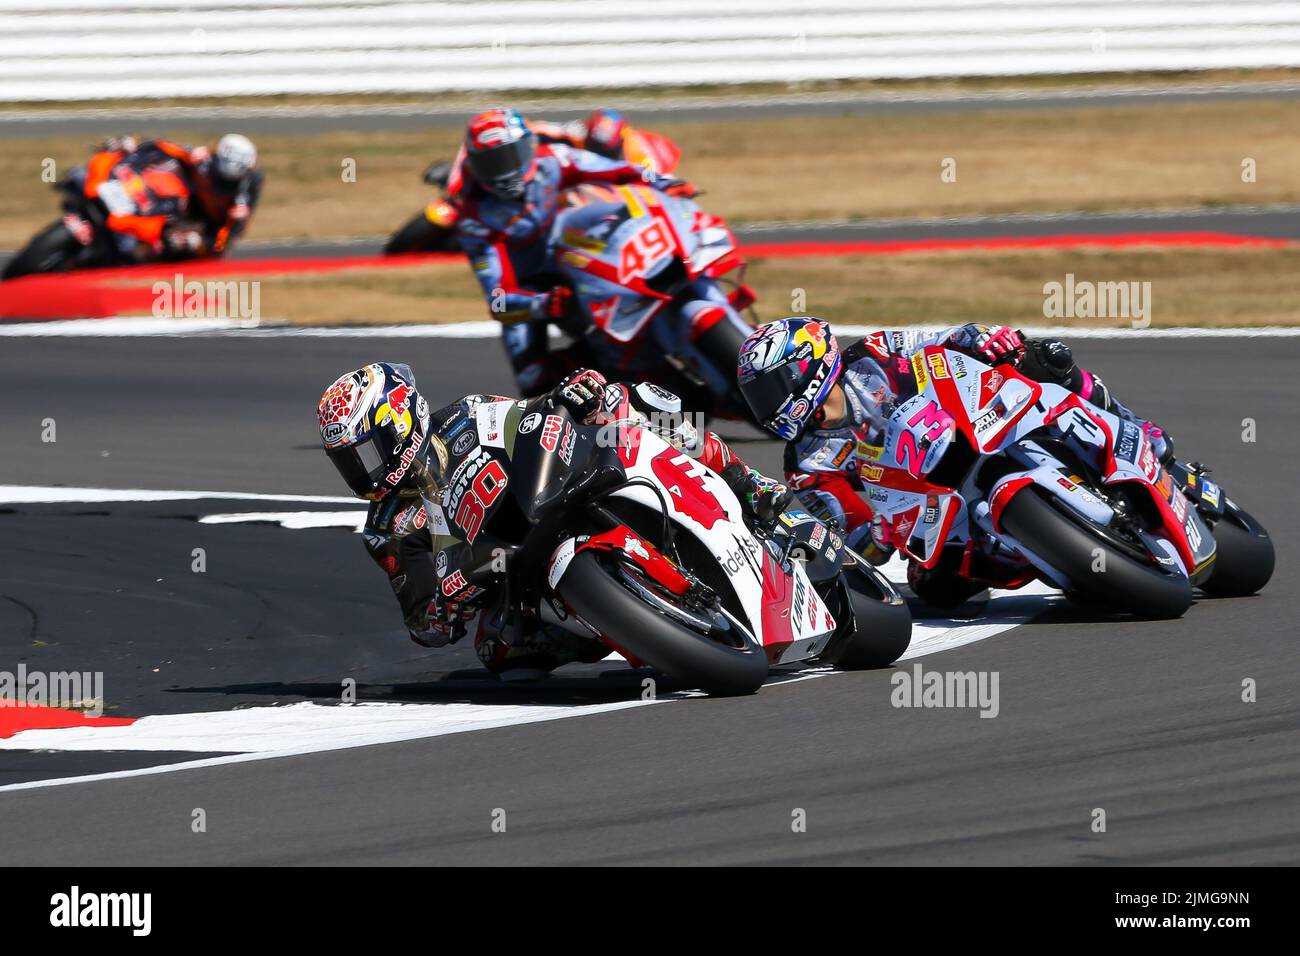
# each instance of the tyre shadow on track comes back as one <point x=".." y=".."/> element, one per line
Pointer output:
<point x="583" y="685"/>
<point x="464" y="687"/>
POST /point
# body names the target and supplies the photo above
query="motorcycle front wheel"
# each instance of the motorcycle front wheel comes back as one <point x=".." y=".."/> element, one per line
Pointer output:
<point x="1095" y="567"/>
<point x="50" y="250"/>
<point x="881" y="626"/>
<point x="698" y="648"/>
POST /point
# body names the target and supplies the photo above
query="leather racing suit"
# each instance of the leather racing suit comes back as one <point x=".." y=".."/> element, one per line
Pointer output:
<point x="511" y="250"/>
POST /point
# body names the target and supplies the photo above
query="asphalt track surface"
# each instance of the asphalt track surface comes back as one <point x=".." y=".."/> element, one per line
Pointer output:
<point x="310" y="120"/>
<point x="1142" y="719"/>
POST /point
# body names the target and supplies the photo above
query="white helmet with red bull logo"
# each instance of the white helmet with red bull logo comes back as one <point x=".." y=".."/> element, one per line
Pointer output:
<point x="786" y="370"/>
<point x="374" y="426"/>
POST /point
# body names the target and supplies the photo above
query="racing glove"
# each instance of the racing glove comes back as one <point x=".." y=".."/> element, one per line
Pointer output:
<point x="582" y="393"/>
<point x="762" y="499"/>
<point x="438" y="174"/>
<point x="183" y="238"/>
<point x="444" y="622"/>
<point x="990" y="344"/>
<point x="124" y="144"/>
<point x="557" y="303"/>
<point x="879" y="548"/>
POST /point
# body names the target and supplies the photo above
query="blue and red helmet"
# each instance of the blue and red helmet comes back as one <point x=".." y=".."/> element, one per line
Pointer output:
<point x="374" y="426"/>
<point x="500" y="150"/>
<point x="786" y="370"/>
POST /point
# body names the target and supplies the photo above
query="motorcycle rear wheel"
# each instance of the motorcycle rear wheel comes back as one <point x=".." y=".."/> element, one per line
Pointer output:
<point x="421" y="235"/>
<point x="608" y="601"/>
<point x="1072" y="548"/>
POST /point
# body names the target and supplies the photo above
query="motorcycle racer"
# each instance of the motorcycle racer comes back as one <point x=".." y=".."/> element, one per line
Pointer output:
<point x="392" y="450"/>
<point x="224" y="185"/>
<point x="831" y="406"/>
<point x="605" y="132"/>
<point x="510" y="199"/>
<point x="608" y="133"/>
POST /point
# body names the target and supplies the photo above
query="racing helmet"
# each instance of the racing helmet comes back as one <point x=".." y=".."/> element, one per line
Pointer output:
<point x="374" y="426"/>
<point x="605" y="129"/>
<point x="234" y="159"/>
<point x="786" y="370"/>
<point x="500" y="150"/>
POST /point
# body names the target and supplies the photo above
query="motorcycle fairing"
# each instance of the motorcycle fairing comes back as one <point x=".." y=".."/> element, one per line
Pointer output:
<point x="140" y="202"/>
<point x="1092" y="433"/>
<point x="984" y="402"/>
<point x="782" y="609"/>
<point x="629" y="257"/>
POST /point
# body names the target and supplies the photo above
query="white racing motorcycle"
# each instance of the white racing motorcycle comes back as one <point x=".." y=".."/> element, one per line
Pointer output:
<point x="984" y="464"/>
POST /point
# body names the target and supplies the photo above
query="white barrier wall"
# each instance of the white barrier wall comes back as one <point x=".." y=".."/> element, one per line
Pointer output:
<point x="88" y="49"/>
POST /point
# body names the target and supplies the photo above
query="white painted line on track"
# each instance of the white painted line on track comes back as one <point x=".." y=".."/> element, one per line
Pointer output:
<point x="312" y="728"/>
<point x="303" y="727"/>
<point x="122" y="327"/>
<point x="293" y="520"/>
<point x="486" y="329"/>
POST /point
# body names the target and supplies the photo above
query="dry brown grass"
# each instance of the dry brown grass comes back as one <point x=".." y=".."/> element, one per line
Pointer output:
<point x="860" y="167"/>
<point x="1189" y="287"/>
<point x="1135" y="157"/>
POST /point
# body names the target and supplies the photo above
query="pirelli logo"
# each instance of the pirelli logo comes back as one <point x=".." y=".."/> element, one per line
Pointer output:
<point x="918" y="369"/>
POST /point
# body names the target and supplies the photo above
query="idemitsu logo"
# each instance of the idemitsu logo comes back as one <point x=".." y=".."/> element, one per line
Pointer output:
<point x="74" y="908"/>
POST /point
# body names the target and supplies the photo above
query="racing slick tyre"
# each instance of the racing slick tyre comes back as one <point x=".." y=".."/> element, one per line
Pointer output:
<point x="50" y="250"/>
<point x="644" y="620"/>
<point x="421" y="235"/>
<point x="1243" y="560"/>
<point x="1072" y="547"/>
<point x="882" y="626"/>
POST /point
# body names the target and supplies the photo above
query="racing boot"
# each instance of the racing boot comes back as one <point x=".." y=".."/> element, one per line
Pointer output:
<point x="942" y="586"/>
<point x="878" y="548"/>
<point x="1095" y="391"/>
<point x="533" y="655"/>
<point x="963" y="572"/>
